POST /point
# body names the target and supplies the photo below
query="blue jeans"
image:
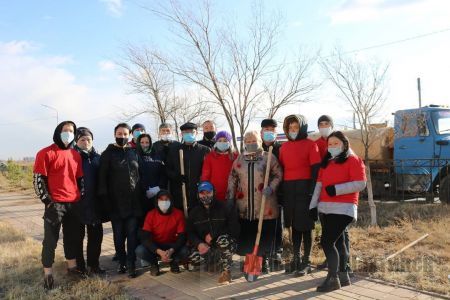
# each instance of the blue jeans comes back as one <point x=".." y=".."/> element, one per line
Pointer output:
<point x="125" y="229"/>
<point x="178" y="256"/>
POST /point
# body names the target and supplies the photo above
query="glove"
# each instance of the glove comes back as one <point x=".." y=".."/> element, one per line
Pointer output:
<point x="184" y="179"/>
<point x="313" y="214"/>
<point x="152" y="191"/>
<point x="267" y="191"/>
<point x="331" y="190"/>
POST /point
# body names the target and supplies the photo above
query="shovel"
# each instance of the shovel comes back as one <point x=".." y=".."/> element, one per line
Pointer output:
<point x="183" y="185"/>
<point x="253" y="262"/>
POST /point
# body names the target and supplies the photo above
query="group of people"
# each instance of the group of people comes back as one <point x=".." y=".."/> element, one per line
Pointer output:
<point x="198" y="202"/>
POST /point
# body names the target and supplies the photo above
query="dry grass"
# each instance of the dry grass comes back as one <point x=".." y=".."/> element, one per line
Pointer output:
<point x="21" y="275"/>
<point x="425" y="266"/>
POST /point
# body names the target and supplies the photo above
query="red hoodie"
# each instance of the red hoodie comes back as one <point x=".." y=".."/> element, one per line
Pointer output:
<point x="216" y="169"/>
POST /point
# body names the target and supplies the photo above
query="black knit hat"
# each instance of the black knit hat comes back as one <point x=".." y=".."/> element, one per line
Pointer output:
<point x="268" y="122"/>
<point x="83" y="131"/>
<point x="325" y="118"/>
<point x="137" y="126"/>
<point x="188" y="125"/>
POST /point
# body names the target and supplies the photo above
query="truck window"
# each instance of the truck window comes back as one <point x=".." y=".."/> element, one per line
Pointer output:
<point x="408" y="125"/>
<point x="441" y="120"/>
<point x="422" y="127"/>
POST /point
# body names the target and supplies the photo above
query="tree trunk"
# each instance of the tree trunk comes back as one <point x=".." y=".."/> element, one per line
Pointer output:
<point x="373" y="208"/>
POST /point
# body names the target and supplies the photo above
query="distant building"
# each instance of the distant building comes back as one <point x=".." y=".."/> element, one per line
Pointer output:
<point x="28" y="159"/>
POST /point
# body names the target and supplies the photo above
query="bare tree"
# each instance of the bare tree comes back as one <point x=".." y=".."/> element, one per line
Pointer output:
<point x="363" y="86"/>
<point x="233" y="69"/>
<point x="148" y="75"/>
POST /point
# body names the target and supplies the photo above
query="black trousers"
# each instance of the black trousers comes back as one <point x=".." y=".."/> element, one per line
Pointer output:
<point x="125" y="230"/>
<point x="297" y="238"/>
<point x="59" y="214"/>
<point x="247" y="237"/>
<point x="333" y="227"/>
<point x="93" y="247"/>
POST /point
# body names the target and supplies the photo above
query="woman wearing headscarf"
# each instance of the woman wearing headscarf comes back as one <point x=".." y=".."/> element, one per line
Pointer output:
<point x="245" y="191"/>
<point x="341" y="178"/>
<point x="300" y="159"/>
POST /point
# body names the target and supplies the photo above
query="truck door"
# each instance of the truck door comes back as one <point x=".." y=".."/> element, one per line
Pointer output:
<point x="413" y="150"/>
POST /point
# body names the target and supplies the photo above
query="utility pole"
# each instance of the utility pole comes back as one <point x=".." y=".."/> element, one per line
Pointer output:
<point x="420" y="92"/>
<point x="54" y="109"/>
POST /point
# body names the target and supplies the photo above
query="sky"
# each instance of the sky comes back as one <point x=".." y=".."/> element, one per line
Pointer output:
<point x="63" y="55"/>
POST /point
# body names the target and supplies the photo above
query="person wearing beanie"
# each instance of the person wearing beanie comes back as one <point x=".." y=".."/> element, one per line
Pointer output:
<point x="212" y="230"/>
<point x="193" y="156"/>
<point x="166" y="140"/>
<point x="163" y="235"/>
<point x="136" y="131"/>
<point x="58" y="182"/>
<point x="92" y="213"/>
<point x="300" y="159"/>
<point x="217" y="164"/>
<point x="326" y="126"/>
<point x="269" y="138"/>
<point x="121" y="193"/>
<point x="209" y="133"/>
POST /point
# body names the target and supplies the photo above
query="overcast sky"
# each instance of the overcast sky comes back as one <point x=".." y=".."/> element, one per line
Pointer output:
<point x="62" y="53"/>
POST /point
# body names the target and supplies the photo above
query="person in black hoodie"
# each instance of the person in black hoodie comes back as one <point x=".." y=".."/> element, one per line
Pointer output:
<point x="211" y="228"/>
<point x="58" y="182"/>
<point x="91" y="212"/>
<point x="163" y="235"/>
<point x="120" y="191"/>
<point x="194" y="154"/>
<point x="152" y="172"/>
<point x="209" y="134"/>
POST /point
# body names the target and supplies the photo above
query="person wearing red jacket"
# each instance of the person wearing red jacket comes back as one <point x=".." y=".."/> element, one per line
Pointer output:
<point x="301" y="161"/>
<point x="341" y="178"/>
<point x="58" y="182"/>
<point x="326" y="127"/>
<point x="163" y="235"/>
<point x="217" y="164"/>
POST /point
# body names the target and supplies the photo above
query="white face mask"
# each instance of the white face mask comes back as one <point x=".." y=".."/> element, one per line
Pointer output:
<point x="166" y="137"/>
<point x="164" y="205"/>
<point x="325" y="131"/>
<point x="67" y="137"/>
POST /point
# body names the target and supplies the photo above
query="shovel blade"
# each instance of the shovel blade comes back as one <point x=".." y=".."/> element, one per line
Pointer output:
<point x="252" y="267"/>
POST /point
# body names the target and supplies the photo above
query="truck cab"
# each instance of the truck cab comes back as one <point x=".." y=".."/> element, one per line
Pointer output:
<point x="422" y="150"/>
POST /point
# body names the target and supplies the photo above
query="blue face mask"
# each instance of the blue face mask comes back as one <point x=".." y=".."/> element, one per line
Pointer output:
<point x="334" y="151"/>
<point x="67" y="137"/>
<point x="293" y="135"/>
<point x="189" y="137"/>
<point x="222" y="146"/>
<point x="269" y="136"/>
<point x="136" y="134"/>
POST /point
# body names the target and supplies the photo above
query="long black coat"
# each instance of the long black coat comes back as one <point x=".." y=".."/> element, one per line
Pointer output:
<point x="216" y="221"/>
<point x="193" y="163"/>
<point x="91" y="207"/>
<point x="119" y="182"/>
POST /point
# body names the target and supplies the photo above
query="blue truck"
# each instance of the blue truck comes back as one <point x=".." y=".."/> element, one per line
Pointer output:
<point x="420" y="166"/>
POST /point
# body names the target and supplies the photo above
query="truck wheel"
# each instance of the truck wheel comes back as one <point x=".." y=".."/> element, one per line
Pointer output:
<point x="444" y="190"/>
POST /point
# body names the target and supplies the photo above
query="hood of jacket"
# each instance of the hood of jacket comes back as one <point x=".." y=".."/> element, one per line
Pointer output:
<point x="85" y="154"/>
<point x="139" y="149"/>
<point x="57" y="135"/>
<point x="167" y="193"/>
<point x="303" y="123"/>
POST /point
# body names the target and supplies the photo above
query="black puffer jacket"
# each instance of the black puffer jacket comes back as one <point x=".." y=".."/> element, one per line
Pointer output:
<point x="193" y="163"/>
<point x="119" y="182"/>
<point x="215" y="220"/>
<point x="161" y="149"/>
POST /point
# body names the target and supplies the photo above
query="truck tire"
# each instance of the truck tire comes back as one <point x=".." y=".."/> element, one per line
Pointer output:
<point x="444" y="190"/>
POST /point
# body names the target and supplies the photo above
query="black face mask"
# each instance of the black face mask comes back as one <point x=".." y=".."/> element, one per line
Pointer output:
<point x="206" y="200"/>
<point x="121" y="141"/>
<point x="210" y="135"/>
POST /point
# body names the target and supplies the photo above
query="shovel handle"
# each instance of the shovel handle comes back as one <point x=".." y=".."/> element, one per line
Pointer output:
<point x="183" y="185"/>
<point x="263" y="200"/>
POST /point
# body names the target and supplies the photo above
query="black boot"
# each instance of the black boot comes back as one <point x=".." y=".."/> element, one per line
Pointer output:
<point x="132" y="271"/>
<point x="122" y="269"/>
<point x="293" y="265"/>
<point x="305" y="268"/>
<point x="174" y="267"/>
<point x="154" y="270"/>
<point x="48" y="282"/>
<point x="344" y="279"/>
<point x="331" y="283"/>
